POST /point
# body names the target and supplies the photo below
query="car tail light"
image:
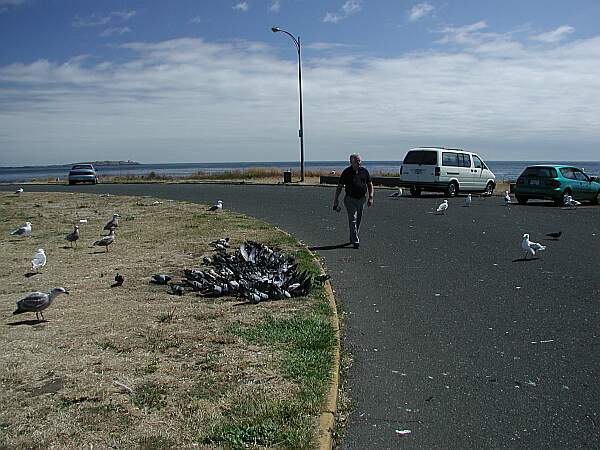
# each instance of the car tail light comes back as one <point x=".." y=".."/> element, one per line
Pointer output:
<point x="553" y="183"/>
<point x="437" y="172"/>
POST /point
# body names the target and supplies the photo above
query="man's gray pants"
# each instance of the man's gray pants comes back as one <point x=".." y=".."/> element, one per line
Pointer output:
<point x="354" y="207"/>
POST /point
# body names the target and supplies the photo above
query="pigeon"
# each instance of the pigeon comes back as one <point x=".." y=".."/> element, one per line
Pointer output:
<point x="443" y="207"/>
<point x="39" y="260"/>
<point x="113" y="223"/>
<point x="38" y="301"/>
<point x="468" y="200"/>
<point x="73" y="236"/>
<point x="554" y="235"/>
<point x="105" y="241"/>
<point x="530" y="247"/>
<point x="506" y="198"/>
<point x="19" y="191"/>
<point x="160" y="279"/>
<point x="119" y="279"/>
<point x="398" y="193"/>
<point x="216" y="207"/>
<point x="23" y="230"/>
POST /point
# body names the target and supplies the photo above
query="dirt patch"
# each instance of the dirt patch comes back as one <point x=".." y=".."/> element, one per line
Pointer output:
<point x="132" y="366"/>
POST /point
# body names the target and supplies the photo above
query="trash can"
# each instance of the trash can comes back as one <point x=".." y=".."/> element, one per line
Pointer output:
<point x="287" y="176"/>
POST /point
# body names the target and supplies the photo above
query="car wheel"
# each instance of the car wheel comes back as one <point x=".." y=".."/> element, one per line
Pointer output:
<point x="596" y="199"/>
<point x="415" y="191"/>
<point x="522" y="200"/>
<point x="489" y="189"/>
<point x="452" y="189"/>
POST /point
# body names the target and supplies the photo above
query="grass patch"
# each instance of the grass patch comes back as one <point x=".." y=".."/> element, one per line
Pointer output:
<point x="134" y="367"/>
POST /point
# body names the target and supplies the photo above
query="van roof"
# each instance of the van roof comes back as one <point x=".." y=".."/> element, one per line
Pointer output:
<point x="439" y="148"/>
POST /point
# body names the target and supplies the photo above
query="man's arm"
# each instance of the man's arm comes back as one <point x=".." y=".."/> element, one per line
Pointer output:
<point x="371" y="192"/>
<point x="337" y="194"/>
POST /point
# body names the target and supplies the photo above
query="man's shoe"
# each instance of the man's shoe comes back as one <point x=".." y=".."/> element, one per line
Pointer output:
<point x="356" y="245"/>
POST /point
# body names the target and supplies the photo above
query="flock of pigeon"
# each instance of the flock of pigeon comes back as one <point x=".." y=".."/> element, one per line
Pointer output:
<point x="37" y="302"/>
<point x="254" y="273"/>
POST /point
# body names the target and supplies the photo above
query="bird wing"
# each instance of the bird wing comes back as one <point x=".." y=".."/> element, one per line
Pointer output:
<point x="33" y="302"/>
<point x="38" y="260"/>
<point x="106" y="240"/>
<point x="19" y="231"/>
<point x="536" y="246"/>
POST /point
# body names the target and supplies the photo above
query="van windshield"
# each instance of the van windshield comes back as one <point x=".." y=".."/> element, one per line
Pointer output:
<point x="425" y="157"/>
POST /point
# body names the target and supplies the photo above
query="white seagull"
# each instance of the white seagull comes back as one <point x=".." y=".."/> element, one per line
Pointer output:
<point x="38" y="301"/>
<point x="216" y="207"/>
<point x="468" y="200"/>
<point x="39" y="260"/>
<point x="398" y="193"/>
<point x="19" y="191"/>
<point x="506" y="198"/>
<point x="530" y="247"/>
<point x="571" y="202"/>
<point x="443" y="207"/>
<point x="23" y="230"/>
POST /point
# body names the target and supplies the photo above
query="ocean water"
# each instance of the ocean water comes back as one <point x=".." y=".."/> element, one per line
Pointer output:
<point x="504" y="170"/>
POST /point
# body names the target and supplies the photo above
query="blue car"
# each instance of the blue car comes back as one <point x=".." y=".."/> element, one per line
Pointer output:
<point x="553" y="182"/>
<point x="83" y="173"/>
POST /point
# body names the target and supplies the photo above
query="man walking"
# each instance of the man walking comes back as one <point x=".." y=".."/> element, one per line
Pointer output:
<point x="357" y="182"/>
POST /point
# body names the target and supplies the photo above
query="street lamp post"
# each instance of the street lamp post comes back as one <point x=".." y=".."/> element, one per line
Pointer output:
<point x="301" y="130"/>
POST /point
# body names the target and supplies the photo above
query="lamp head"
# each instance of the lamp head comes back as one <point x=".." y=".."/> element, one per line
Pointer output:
<point x="275" y="29"/>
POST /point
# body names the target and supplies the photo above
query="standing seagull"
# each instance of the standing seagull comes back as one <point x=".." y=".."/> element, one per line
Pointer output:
<point x="19" y="191"/>
<point x="39" y="260"/>
<point x="23" y="230"/>
<point x="468" y="200"/>
<point x="73" y="236"/>
<point x="113" y="223"/>
<point x="571" y="202"/>
<point x="506" y="198"/>
<point x="216" y="207"/>
<point x="38" y="301"/>
<point x="530" y="247"/>
<point x="106" y="240"/>
<point x="443" y="207"/>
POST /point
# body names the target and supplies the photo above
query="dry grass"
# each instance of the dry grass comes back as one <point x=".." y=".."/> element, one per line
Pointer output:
<point x="131" y="366"/>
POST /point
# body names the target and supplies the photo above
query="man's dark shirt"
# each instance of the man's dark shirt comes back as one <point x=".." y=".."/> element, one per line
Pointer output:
<point x="355" y="183"/>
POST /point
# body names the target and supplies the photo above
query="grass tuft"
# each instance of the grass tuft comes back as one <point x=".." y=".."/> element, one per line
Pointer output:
<point x="148" y="395"/>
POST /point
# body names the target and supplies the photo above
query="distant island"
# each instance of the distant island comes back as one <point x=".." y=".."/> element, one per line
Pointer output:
<point x="111" y="163"/>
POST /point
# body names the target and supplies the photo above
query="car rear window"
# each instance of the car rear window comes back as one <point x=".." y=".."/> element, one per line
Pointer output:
<point x="425" y="157"/>
<point x="82" y="167"/>
<point x="540" y="172"/>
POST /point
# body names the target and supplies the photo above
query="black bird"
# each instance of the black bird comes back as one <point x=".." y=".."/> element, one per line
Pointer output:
<point x="119" y="279"/>
<point x="160" y="279"/>
<point x="554" y="236"/>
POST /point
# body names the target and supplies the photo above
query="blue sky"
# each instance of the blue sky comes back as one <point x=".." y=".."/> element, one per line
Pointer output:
<point x="204" y="81"/>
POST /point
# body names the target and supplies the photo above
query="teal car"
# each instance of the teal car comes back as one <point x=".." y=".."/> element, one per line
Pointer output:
<point x="553" y="182"/>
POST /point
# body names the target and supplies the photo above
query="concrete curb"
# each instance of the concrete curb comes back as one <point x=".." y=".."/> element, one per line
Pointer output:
<point x="327" y="418"/>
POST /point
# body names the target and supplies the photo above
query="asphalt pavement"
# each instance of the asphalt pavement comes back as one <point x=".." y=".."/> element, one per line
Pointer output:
<point x="453" y="336"/>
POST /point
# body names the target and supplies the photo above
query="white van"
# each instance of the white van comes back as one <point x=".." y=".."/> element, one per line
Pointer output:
<point x="449" y="170"/>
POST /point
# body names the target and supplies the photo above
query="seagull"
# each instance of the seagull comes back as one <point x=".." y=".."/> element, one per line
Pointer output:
<point x="216" y="207"/>
<point x="23" y="230"/>
<point x="468" y="200"/>
<point x="19" y="191"/>
<point x="443" y="207"/>
<point x="105" y="241"/>
<point x="113" y="223"/>
<point x="530" y="247"/>
<point x="571" y="202"/>
<point x="39" y="260"/>
<point x="73" y="236"/>
<point x="160" y="279"/>
<point x="398" y="193"/>
<point x="554" y="235"/>
<point x="38" y="301"/>
<point x="506" y="198"/>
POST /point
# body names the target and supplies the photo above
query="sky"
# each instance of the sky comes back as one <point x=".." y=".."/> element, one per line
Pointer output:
<point x="208" y="81"/>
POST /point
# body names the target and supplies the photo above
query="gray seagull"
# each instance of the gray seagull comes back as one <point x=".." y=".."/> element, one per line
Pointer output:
<point x="38" y="301"/>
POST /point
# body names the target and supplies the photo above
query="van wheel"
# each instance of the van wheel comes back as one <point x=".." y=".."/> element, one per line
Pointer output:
<point x="452" y="189"/>
<point x="415" y="191"/>
<point x="522" y="200"/>
<point x="489" y="189"/>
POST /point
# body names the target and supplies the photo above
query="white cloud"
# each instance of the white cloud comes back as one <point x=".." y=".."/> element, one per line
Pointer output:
<point x="347" y="9"/>
<point x="275" y="6"/>
<point x="96" y="20"/>
<point x="419" y="11"/>
<point x="115" y="31"/>
<point x="555" y="35"/>
<point x="204" y="101"/>
<point x="242" y="6"/>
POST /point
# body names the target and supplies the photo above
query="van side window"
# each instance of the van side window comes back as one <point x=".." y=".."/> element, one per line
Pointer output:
<point x="464" y="160"/>
<point x="450" y="159"/>
<point x="477" y="162"/>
